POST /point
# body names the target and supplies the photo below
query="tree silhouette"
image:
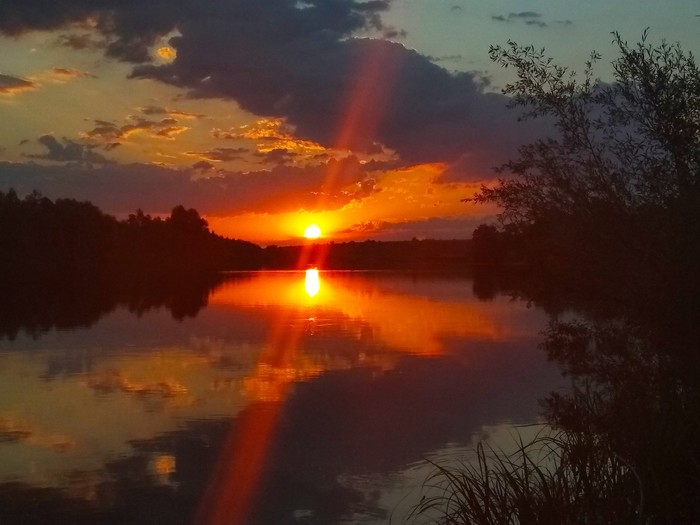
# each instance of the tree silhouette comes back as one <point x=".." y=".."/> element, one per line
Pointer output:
<point x="618" y="184"/>
<point x="629" y="144"/>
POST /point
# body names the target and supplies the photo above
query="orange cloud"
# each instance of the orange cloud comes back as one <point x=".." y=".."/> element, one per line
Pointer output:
<point x="105" y="131"/>
<point x="269" y="134"/>
<point x="386" y="203"/>
<point x="64" y="74"/>
<point x="218" y="154"/>
<point x="158" y="110"/>
<point x="10" y="85"/>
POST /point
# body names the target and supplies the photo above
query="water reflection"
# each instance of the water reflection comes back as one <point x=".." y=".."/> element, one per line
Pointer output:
<point x="312" y="283"/>
<point x="635" y="397"/>
<point x="269" y="392"/>
<point x="625" y="445"/>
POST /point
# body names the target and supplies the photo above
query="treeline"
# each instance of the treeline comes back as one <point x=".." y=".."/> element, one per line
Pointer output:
<point x="419" y="255"/>
<point x="66" y="238"/>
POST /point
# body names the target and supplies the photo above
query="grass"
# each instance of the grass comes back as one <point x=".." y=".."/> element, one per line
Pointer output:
<point x="558" y="477"/>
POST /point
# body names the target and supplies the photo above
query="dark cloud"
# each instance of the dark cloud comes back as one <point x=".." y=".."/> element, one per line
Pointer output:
<point x="395" y="34"/>
<point x="421" y="110"/>
<point x="10" y="85"/>
<point x="133" y="26"/>
<point x="219" y="154"/>
<point x="364" y="189"/>
<point x="366" y="227"/>
<point x="203" y="166"/>
<point x="79" y="42"/>
<point x="121" y="189"/>
<point x="296" y="61"/>
<point x="277" y="156"/>
<point x="158" y="110"/>
<point x="525" y="14"/>
<point x="434" y="228"/>
<point x="447" y="58"/>
<point x="70" y="73"/>
<point x="67" y="151"/>
<point x="105" y="131"/>
<point x="531" y="18"/>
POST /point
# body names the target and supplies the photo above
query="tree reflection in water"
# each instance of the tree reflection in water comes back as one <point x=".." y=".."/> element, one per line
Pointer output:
<point x="636" y="388"/>
<point x="624" y="445"/>
<point x="34" y="304"/>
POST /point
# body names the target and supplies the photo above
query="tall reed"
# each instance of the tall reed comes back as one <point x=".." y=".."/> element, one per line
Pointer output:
<point x="559" y="477"/>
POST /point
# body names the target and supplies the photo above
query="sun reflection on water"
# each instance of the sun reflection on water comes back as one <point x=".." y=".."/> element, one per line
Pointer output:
<point x="312" y="283"/>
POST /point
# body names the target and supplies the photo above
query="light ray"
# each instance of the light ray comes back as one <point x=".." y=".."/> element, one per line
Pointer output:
<point x="232" y="487"/>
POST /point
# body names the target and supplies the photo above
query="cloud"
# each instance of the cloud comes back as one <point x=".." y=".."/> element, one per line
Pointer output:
<point x="434" y="228"/>
<point x="67" y="151"/>
<point x="10" y="85"/>
<point x="277" y="156"/>
<point x="202" y="166"/>
<point x="66" y="73"/>
<point x="158" y="110"/>
<point x="132" y="27"/>
<point x="269" y="134"/>
<point x="531" y="18"/>
<point x="120" y="189"/>
<point x="395" y="34"/>
<point x="424" y="112"/>
<point x="79" y="42"/>
<point x="525" y="14"/>
<point x="366" y="227"/>
<point x="105" y="131"/>
<point x="219" y="154"/>
<point x="446" y="58"/>
<point x="299" y="62"/>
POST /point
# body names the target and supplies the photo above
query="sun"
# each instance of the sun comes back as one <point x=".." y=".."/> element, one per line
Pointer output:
<point x="312" y="231"/>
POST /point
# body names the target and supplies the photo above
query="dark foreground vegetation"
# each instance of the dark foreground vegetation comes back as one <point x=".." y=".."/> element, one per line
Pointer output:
<point x="600" y="226"/>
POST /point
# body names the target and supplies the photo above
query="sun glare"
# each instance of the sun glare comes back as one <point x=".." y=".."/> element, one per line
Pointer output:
<point x="312" y="231"/>
<point x="312" y="283"/>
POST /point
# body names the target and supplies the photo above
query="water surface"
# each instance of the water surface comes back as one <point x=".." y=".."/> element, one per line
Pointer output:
<point x="285" y="397"/>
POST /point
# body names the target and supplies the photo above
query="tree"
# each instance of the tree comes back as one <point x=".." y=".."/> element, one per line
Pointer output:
<point x="632" y="145"/>
<point x="185" y="220"/>
<point x="612" y="199"/>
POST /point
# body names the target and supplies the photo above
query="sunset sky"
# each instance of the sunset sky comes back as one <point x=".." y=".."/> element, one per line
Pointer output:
<point x="372" y="119"/>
